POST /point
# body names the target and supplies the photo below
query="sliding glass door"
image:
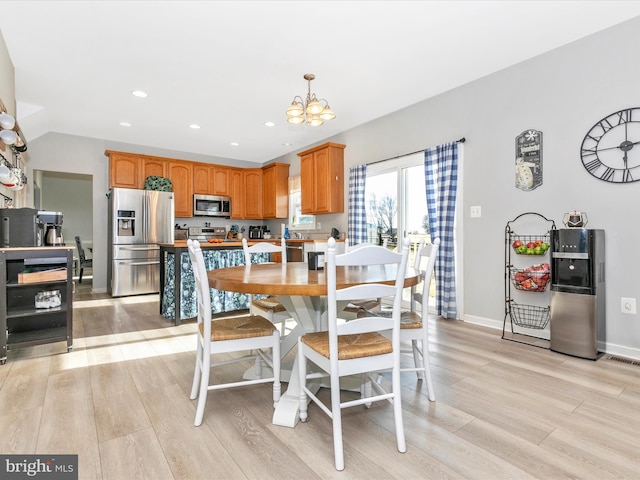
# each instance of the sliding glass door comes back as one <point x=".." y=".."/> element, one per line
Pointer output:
<point x="397" y="204"/>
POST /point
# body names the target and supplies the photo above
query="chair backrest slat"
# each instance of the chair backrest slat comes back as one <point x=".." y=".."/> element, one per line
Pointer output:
<point x="263" y="247"/>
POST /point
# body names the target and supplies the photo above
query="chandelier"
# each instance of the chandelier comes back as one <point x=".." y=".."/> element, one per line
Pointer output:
<point x="312" y="111"/>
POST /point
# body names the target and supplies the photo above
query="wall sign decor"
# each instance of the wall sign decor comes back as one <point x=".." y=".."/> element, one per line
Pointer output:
<point x="529" y="160"/>
<point x="608" y="152"/>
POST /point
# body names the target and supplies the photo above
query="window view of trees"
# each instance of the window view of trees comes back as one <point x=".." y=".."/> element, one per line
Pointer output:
<point x="382" y="214"/>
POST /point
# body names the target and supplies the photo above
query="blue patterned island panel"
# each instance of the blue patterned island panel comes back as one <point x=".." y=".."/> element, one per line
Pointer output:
<point x="220" y="301"/>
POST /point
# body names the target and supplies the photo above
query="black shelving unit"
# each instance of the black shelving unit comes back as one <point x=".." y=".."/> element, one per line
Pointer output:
<point x="22" y="324"/>
<point x="527" y="276"/>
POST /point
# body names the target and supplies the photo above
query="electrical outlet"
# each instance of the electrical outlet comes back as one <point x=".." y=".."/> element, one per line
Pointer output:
<point x="476" y="211"/>
<point x="318" y="225"/>
<point x="628" y="305"/>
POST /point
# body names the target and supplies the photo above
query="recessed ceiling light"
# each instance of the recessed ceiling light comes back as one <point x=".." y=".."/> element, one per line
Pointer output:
<point x="139" y="93"/>
<point x="234" y="144"/>
<point x="269" y="124"/>
<point x="286" y="144"/>
<point x="125" y="124"/>
<point x="194" y="126"/>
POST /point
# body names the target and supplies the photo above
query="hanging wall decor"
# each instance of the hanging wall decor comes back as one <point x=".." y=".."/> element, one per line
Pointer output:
<point x="529" y="160"/>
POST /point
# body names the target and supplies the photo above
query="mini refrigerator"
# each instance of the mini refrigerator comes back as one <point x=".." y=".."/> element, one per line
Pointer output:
<point x="577" y="292"/>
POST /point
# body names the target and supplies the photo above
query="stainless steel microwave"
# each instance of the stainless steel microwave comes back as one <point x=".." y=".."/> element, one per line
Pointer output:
<point x="211" y="206"/>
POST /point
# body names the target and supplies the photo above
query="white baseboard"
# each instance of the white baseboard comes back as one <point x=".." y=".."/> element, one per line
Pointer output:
<point x="609" y="348"/>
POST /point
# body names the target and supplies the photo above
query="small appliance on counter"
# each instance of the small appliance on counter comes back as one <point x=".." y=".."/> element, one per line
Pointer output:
<point x="52" y="226"/>
<point x="20" y="227"/>
<point x="256" y="232"/>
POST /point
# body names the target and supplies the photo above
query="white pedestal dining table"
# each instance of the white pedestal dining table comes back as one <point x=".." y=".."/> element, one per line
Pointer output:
<point x="303" y="293"/>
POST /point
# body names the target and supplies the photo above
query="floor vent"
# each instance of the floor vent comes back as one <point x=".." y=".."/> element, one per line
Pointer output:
<point x="623" y="360"/>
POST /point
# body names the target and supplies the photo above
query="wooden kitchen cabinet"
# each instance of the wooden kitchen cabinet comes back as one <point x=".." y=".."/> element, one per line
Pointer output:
<point x="237" y="193"/>
<point x="219" y="179"/>
<point x="211" y="179"/>
<point x="124" y="170"/>
<point x="253" y="193"/>
<point x="152" y="166"/>
<point x="322" y="179"/>
<point x="275" y="190"/>
<point x="201" y="179"/>
<point x="181" y="175"/>
<point x="129" y="170"/>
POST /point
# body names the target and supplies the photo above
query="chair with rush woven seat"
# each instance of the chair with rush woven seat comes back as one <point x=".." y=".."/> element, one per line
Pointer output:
<point x="357" y="346"/>
<point x="414" y="324"/>
<point x="225" y="335"/>
<point x="270" y="307"/>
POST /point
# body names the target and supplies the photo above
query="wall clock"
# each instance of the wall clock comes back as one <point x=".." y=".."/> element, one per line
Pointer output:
<point x="610" y="151"/>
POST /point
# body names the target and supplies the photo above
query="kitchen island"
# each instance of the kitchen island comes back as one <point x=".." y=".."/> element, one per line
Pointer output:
<point x="177" y="284"/>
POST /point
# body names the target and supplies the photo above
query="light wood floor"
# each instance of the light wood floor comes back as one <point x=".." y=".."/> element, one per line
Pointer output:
<point x="504" y="410"/>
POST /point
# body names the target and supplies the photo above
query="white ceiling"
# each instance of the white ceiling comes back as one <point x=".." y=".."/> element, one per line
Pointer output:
<point x="231" y="66"/>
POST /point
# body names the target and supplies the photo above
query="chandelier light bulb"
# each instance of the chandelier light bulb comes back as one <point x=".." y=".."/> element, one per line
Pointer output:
<point x="327" y="114"/>
<point x="7" y="121"/>
<point x="314" y="121"/>
<point x="9" y="137"/>
<point x="295" y="109"/>
<point x="296" y="120"/>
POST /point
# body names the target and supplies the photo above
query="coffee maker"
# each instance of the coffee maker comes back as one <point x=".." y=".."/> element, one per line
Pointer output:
<point x="52" y="227"/>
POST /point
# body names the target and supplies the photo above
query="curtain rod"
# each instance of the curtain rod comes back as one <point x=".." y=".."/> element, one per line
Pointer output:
<point x="462" y="140"/>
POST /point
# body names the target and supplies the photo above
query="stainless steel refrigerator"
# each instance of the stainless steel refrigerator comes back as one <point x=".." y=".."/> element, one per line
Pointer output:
<point x="139" y="220"/>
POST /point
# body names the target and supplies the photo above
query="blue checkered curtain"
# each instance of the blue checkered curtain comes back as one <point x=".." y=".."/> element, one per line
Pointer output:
<point x="441" y="178"/>
<point x="357" y="230"/>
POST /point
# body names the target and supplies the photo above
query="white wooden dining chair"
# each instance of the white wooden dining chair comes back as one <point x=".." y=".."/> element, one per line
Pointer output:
<point x="354" y="308"/>
<point x="225" y="335"/>
<point x="270" y="307"/>
<point x="357" y="346"/>
<point x="414" y="323"/>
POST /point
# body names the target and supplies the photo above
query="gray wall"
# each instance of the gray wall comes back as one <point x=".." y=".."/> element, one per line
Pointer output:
<point x="562" y="93"/>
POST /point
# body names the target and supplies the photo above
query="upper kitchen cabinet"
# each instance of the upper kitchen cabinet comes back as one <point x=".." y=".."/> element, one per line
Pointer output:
<point x="253" y="193"/>
<point x="237" y="192"/>
<point x="219" y="178"/>
<point x="211" y="179"/>
<point x="124" y="170"/>
<point x="275" y="190"/>
<point x="152" y="167"/>
<point x="181" y="175"/>
<point x="201" y="182"/>
<point x="129" y="170"/>
<point x="322" y="179"/>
